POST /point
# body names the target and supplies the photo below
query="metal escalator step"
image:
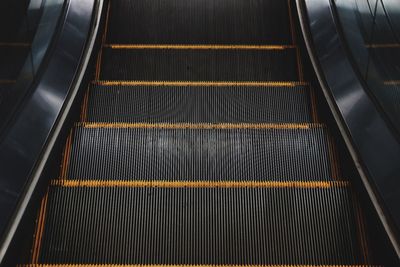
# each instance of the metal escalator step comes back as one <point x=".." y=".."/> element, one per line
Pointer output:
<point x="12" y="61"/>
<point x="223" y="226"/>
<point x="181" y="265"/>
<point x="200" y="21"/>
<point x="199" y="64"/>
<point x="198" y="104"/>
<point x="198" y="152"/>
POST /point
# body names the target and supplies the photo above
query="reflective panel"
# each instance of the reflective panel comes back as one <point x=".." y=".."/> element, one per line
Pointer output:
<point x="372" y="33"/>
<point x="26" y="30"/>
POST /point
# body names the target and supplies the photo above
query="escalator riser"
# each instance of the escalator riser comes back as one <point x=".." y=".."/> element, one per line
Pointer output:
<point x="199" y="22"/>
<point x="199" y="65"/>
<point x="199" y="226"/>
<point x="200" y="154"/>
<point x="205" y="104"/>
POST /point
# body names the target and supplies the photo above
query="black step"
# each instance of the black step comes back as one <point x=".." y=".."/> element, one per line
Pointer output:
<point x="199" y="64"/>
<point x="200" y="154"/>
<point x="197" y="104"/>
<point x="240" y="226"/>
<point x="199" y="22"/>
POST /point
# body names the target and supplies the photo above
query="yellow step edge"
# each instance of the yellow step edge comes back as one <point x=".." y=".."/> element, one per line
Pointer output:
<point x="389" y="45"/>
<point x="200" y="83"/>
<point x="188" y="265"/>
<point x="210" y="126"/>
<point x="200" y="184"/>
<point x="7" y="81"/>
<point x="199" y="47"/>
<point x="394" y="82"/>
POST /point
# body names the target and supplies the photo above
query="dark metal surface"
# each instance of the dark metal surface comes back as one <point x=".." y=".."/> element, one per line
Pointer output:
<point x="201" y="154"/>
<point x="217" y="226"/>
<point x="27" y="135"/>
<point x="199" y="65"/>
<point x="372" y="140"/>
<point x="199" y="22"/>
<point x="216" y="104"/>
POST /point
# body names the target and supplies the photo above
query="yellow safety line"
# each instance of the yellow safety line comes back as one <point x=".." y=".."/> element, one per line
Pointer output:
<point x="15" y="44"/>
<point x="7" y="81"/>
<point x="66" y="155"/>
<point x="189" y="265"/>
<point x="292" y="31"/>
<point x="201" y="125"/>
<point x="313" y="100"/>
<point x="39" y="230"/>
<point x="394" y="82"/>
<point x="394" y="45"/>
<point x="361" y="232"/>
<point x="199" y="47"/>
<point x="103" y="41"/>
<point x="199" y="184"/>
<point x="333" y="158"/>
<point x="84" y="107"/>
<point x="200" y="83"/>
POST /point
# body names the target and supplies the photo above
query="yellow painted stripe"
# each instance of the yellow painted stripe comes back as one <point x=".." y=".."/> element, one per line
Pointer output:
<point x="199" y="47"/>
<point x="199" y="184"/>
<point x="392" y="82"/>
<point x="39" y="230"/>
<point x="201" y="125"/>
<point x="181" y="265"/>
<point x="15" y="44"/>
<point x="393" y="45"/>
<point x="200" y="83"/>
<point x="7" y="81"/>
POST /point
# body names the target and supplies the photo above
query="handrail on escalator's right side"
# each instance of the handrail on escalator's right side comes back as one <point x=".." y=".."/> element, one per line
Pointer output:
<point x="373" y="144"/>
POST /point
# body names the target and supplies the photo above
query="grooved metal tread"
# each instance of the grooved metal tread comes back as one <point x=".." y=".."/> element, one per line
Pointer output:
<point x="182" y="265"/>
<point x="199" y="104"/>
<point x="243" y="226"/>
<point x="191" y="154"/>
<point x="200" y="21"/>
<point x="199" y="65"/>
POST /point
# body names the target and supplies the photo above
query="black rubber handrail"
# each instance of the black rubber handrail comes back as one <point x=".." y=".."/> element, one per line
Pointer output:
<point x="372" y="143"/>
<point x="30" y="136"/>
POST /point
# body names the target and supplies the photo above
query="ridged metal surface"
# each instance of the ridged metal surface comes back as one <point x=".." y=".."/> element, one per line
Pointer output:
<point x="199" y="226"/>
<point x="12" y="58"/>
<point x="199" y="65"/>
<point x="200" y="154"/>
<point x="199" y="104"/>
<point x="201" y="21"/>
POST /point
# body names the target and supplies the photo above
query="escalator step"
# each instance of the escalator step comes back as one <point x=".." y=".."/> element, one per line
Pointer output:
<point x="199" y="64"/>
<point x="241" y="226"/>
<point x="12" y="61"/>
<point x="136" y="153"/>
<point x="200" y="21"/>
<point x="197" y="104"/>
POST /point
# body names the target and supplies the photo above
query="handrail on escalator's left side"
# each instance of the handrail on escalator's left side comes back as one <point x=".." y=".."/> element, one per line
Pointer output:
<point x="30" y="136"/>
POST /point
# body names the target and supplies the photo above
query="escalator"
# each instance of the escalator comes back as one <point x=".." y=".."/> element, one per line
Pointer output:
<point x="200" y="143"/>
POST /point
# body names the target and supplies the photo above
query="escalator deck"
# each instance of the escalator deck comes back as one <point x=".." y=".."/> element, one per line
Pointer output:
<point x="199" y="144"/>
